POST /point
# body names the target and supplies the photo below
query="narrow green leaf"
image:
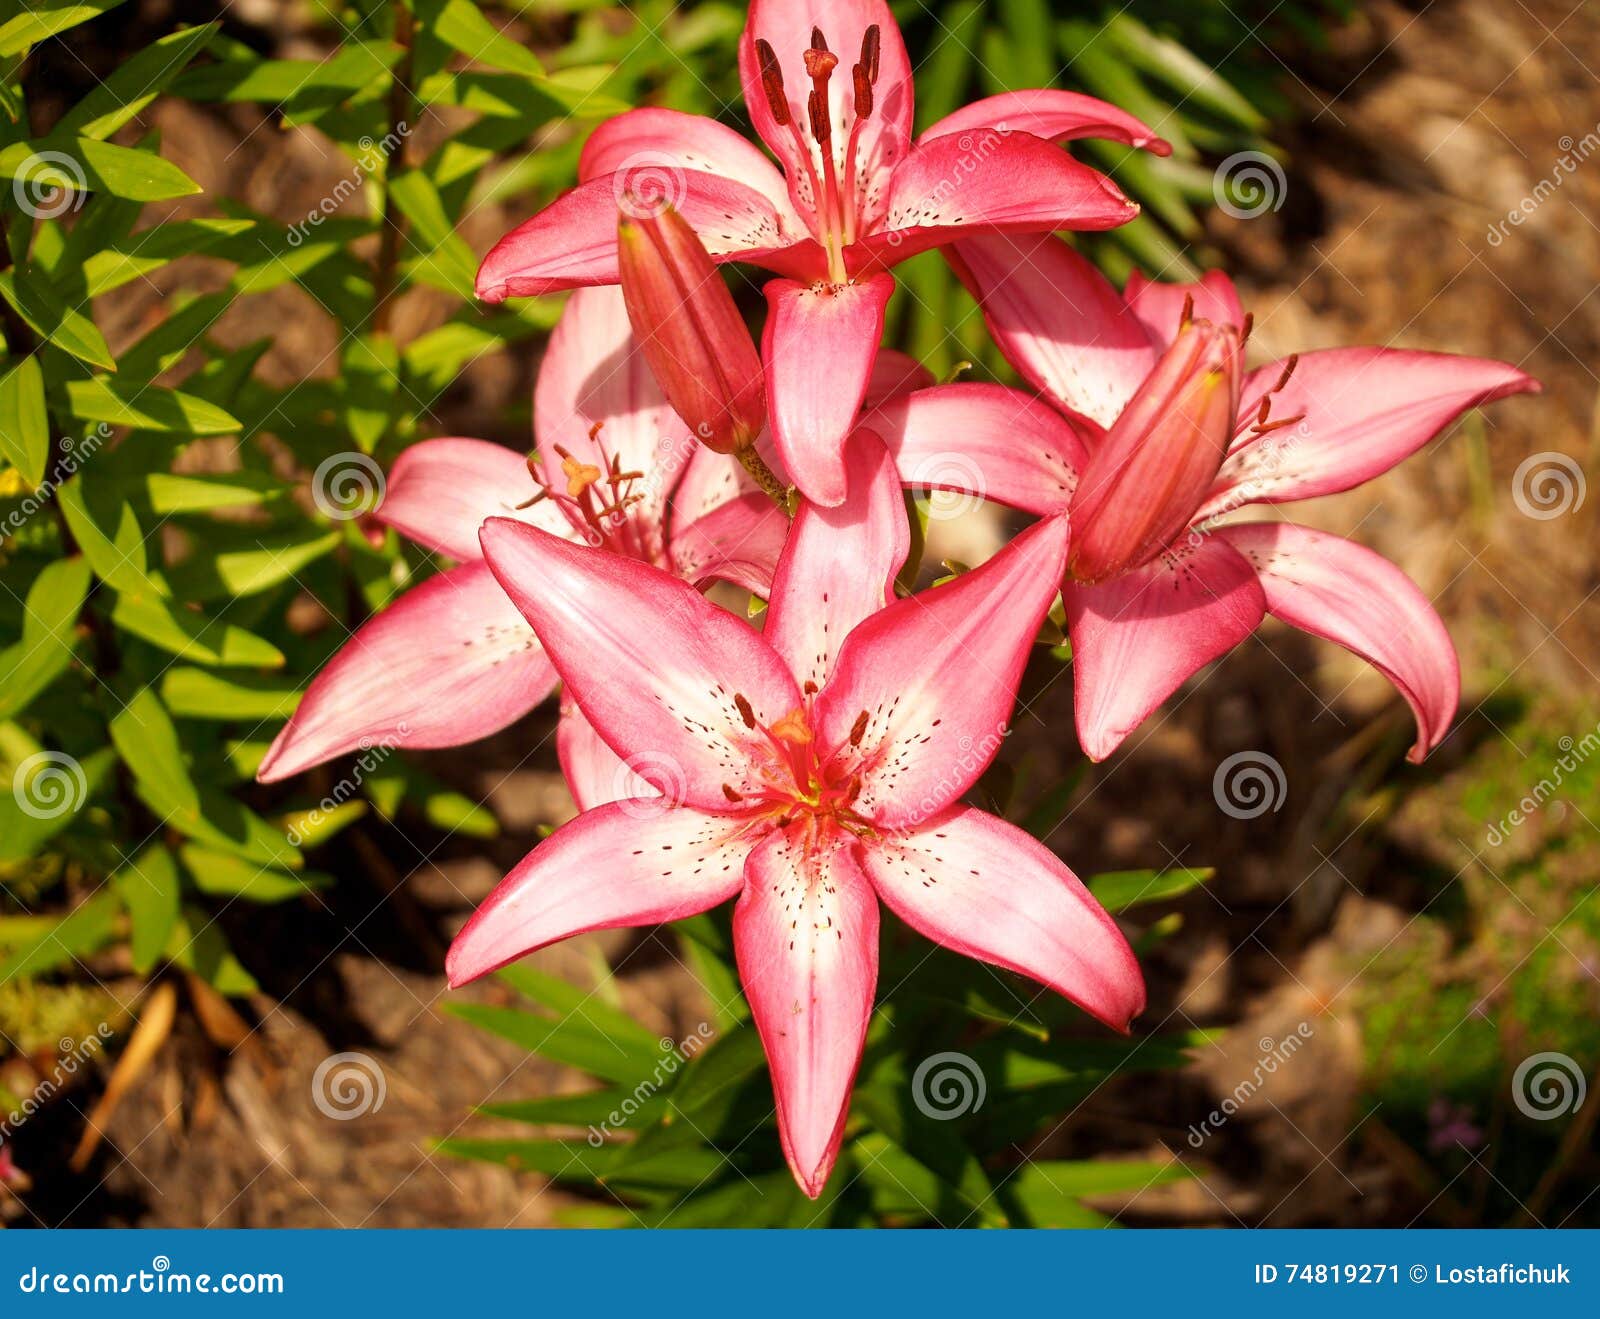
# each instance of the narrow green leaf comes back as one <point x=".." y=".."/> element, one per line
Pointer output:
<point x="46" y="18"/>
<point x="199" y="694"/>
<point x="135" y="82"/>
<point x="1121" y="889"/>
<point x="86" y="929"/>
<point x="24" y="422"/>
<point x="149" y="889"/>
<point x="49" y="628"/>
<point x="34" y="298"/>
<point x="146" y="407"/>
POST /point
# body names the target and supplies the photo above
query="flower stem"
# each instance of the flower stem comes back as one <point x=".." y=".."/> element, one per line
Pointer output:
<point x="767" y="479"/>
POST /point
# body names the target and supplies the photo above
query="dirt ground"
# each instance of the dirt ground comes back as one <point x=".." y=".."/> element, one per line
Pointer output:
<point x="1421" y="128"/>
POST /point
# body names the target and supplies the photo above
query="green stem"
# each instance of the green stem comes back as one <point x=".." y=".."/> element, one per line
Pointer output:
<point x="767" y="479"/>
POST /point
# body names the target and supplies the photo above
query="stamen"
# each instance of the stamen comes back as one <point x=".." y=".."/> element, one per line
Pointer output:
<point x="1187" y="314"/>
<point x="745" y="712"/>
<point x="730" y="794"/>
<point x="1288" y="370"/>
<point x="863" y="88"/>
<point x="818" y="41"/>
<point x="772" y="83"/>
<point x="1249" y="324"/>
<point x="821" y="127"/>
<point x="869" y="53"/>
<point x="859" y="728"/>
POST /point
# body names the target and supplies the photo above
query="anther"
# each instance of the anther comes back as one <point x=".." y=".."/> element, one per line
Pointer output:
<point x="730" y="794"/>
<point x="1288" y="370"/>
<point x="821" y="125"/>
<point x="869" y="53"/>
<point x="859" y="728"/>
<point x="745" y="712"/>
<point x="772" y="83"/>
<point x="818" y="41"/>
<point x="863" y="87"/>
<point x="1249" y="324"/>
<point x="1188" y="311"/>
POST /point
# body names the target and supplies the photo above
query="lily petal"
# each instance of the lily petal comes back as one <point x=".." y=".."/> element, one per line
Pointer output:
<point x="805" y="935"/>
<point x="449" y="662"/>
<point x="1336" y="589"/>
<point x="573" y="241"/>
<point x="1056" y="116"/>
<point x="1057" y="319"/>
<point x="984" y="440"/>
<point x="986" y="182"/>
<point x="986" y="889"/>
<point x="786" y="25"/>
<point x="652" y="146"/>
<point x="595" y="375"/>
<point x="922" y="690"/>
<point x="595" y="774"/>
<point x="1138" y="637"/>
<point x="894" y="372"/>
<point x="659" y="670"/>
<point x="1364" y="410"/>
<point x="815" y="606"/>
<point x="1160" y="305"/>
<point x="625" y="864"/>
<point x="739" y="541"/>
<point x="818" y="347"/>
<point x="439" y="491"/>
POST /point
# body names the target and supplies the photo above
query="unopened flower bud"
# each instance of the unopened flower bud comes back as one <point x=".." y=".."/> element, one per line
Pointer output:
<point x="697" y="344"/>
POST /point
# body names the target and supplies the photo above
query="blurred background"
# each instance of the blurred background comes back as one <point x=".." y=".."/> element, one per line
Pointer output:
<point x="1375" y="991"/>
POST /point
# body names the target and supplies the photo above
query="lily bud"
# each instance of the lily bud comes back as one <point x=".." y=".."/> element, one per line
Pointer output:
<point x="1145" y="481"/>
<point x="692" y="335"/>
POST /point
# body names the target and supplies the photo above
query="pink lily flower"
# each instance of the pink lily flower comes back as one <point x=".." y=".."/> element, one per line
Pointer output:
<point x="1149" y="430"/>
<point x="452" y="660"/>
<point x="811" y="770"/>
<point x="855" y="196"/>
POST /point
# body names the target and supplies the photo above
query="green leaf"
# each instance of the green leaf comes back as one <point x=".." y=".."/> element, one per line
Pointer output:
<point x="223" y="875"/>
<point x="49" y="790"/>
<point x="197" y="944"/>
<point x="371" y="382"/>
<point x="170" y="492"/>
<point x="45" y="18"/>
<point x="1050" y="1191"/>
<point x="593" y="1108"/>
<point x="34" y="298"/>
<point x="577" y="1161"/>
<point x="199" y="694"/>
<point x="464" y="27"/>
<point x="446" y="261"/>
<point x="49" y="634"/>
<point x="1121" y="889"/>
<point x="192" y="636"/>
<point x="148" y="887"/>
<point x="24" y="423"/>
<point x="86" y="929"/>
<point x="86" y="165"/>
<point x="129" y="257"/>
<point x="146" y="407"/>
<point x="136" y="82"/>
<point x="118" y="558"/>
<point x="570" y="1040"/>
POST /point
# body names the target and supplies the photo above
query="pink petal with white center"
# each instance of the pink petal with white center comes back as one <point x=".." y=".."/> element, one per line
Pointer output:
<point x="986" y="889"/>
<point x="595" y="774"/>
<point x="1137" y="638"/>
<point x="651" y="147"/>
<point x="629" y="863"/>
<point x="986" y="182"/>
<point x="839" y="564"/>
<point x="711" y="479"/>
<point x="921" y="692"/>
<point x="1333" y="588"/>
<point x="594" y="374"/>
<point x="739" y="541"/>
<point x="1364" y="410"/>
<point x="1159" y="306"/>
<point x="1057" y="320"/>
<point x="819" y="347"/>
<point x="894" y="372"/>
<point x="448" y="662"/>
<point x="984" y="440"/>
<point x="659" y="670"/>
<point x="884" y="136"/>
<point x="1055" y="116"/>
<point x="439" y="492"/>
<point x="572" y="242"/>
<point x="805" y="935"/>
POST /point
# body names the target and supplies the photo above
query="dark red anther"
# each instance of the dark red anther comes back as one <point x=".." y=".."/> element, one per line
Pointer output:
<point x="863" y="93"/>
<point x="818" y="41"/>
<point x="821" y="123"/>
<point x="1249" y="324"/>
<point x="730" y="794"/>
<point x="859" y="728"/>
<point x="1288" y="370"/>
<point x="869" y="53"/>
<point x="772" y="82"/>
<point x="745" y="712"/>
<point x="1188" y="310"/>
